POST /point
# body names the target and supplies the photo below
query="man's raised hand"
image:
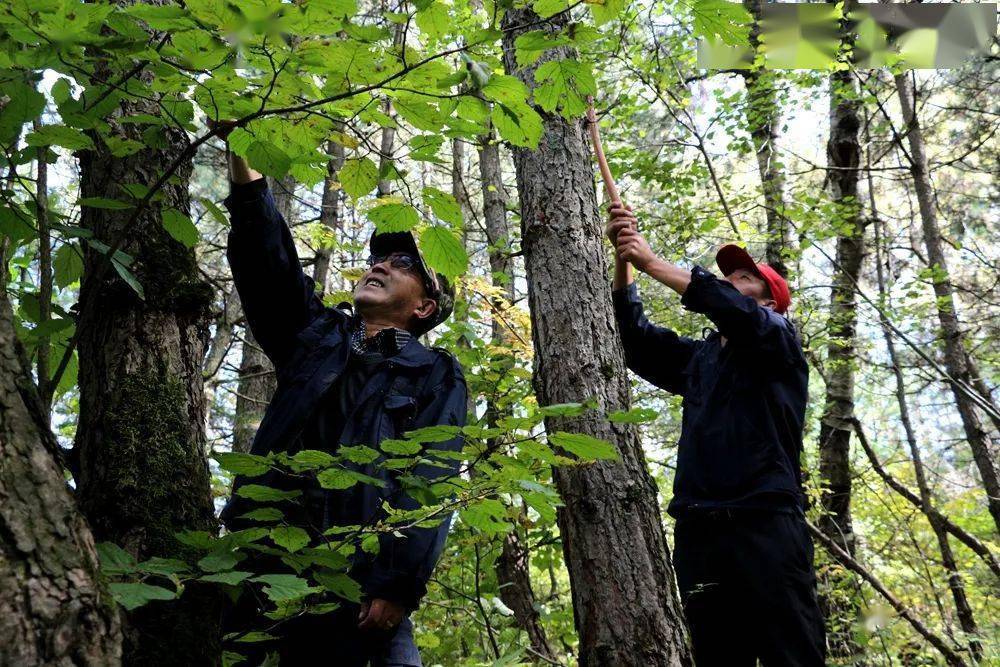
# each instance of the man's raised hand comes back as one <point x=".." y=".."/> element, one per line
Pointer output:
<point x="620" y="217"/>
<point x="632" y="247"/>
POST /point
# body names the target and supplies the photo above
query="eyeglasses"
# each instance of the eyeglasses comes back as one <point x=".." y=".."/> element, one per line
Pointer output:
<point x="396" y="260"/>
<point x="406" y="262"/>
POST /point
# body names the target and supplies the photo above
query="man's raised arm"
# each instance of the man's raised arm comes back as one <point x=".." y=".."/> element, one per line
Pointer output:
<point x="279" y="300"/>
<point x="656" y="354"/>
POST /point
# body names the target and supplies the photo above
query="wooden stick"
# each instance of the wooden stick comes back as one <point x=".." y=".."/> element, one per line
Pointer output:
<point x="602" y="161"/>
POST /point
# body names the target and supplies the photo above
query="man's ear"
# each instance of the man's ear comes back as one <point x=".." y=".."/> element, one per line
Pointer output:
<point x="425" y="309"/>
<point x="769" y="303"/>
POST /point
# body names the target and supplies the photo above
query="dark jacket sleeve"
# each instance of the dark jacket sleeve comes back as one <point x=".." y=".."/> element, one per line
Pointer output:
<point x="741" y="319"/>
<point x="656" y="354"/>
<point x="279" y="300"/>
<point x="404" y="564"/>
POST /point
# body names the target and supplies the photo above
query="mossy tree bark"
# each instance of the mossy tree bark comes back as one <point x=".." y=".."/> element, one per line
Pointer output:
<point x="143" y="473"/>
<point x="624" y="595"/>
<point x="840" y="603"/>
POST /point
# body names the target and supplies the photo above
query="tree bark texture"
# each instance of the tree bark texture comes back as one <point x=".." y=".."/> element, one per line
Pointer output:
<point x="513" y="565"/>
<point x="840" y="604"/>
<point x="54" y="607"/>
<point x="985" y="450"/>
<point x="143" y="473"/>
<point x="624" y="595"/>
<point x="764" y="119"/>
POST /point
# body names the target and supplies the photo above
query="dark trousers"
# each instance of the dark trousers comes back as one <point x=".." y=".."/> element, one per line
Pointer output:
<point x="748" y="589"/>
<point x="320" y="639"/>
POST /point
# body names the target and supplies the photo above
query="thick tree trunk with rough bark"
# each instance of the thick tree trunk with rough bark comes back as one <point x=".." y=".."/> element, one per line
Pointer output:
<point x="624" y="595"/>
<point x="143" y="473"/>
<point x="54" y="607"/>
<point x="836" y="425"/>
<point x="985" y="451"/>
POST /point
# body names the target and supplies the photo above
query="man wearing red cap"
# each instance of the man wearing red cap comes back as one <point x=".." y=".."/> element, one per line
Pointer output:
<point x="742" y="551"/>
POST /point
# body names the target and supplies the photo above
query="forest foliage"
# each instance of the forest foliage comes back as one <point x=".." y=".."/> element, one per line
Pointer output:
<point x="315" y="86"/>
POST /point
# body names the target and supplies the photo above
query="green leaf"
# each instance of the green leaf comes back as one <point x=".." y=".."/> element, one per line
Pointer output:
<point x="566" y="84"/>
<point x="16" y="224"/>
<point x="727" y="21"/>
<point x="67" y="264"/>
<point x="232" y="578"/>
<point x="338" y="478"/>
<point x="506" y="89"/>
<point x="488" y="515"/>
<point x="400" y="447"/>
<point x="441" y="433"/>
<point x="268" y="159"/>
<point x="114" y="559"/>
<point x="562" y="410"/>
<point x="284" y="587"/>
<point x="444" y="206"/>
<point x="443" y="251"/>
<point x="128" y="277"/>
<point x="164" y="566"/>
<point x="607" y="10"/>
<point x="24" y="104"/>
<point x="358" y="177"/>
<point x="134" y="595"/>
<point x="264" y="514"/>
<point x="547" y="8"/>
<point x="180" y="227"/>
<point x="220" y="560"/>
<point x="359" y="454"/>
<point x="584" y="447"/>
<point x="265" y="493"/>
<point x="242" y="464"/>
<point x="311" y="459"/>
<point x="633" y="416"/>
<point x="434" y="20"/>
<point x="520" y="125"/>
<point x="59" y="135"/>
<point x="472" y="109"/>
<point x="419" y="114"/>
<point x="104" y="202"/>
<point x="394" y="217"/>
<point x="340" y="584"/>
<point x="291" y="538"/>
<point x="214" y="211"/>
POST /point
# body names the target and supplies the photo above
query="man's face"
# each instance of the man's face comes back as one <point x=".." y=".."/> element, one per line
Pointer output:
<point x="393" y="293"/>
<point x="750" y="284"/>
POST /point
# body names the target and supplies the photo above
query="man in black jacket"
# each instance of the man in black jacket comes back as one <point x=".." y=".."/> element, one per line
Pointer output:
<point x="351" y="379"/>
<point x="742" y="551"/>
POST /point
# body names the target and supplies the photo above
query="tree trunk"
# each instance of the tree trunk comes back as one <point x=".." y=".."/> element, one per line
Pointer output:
<point x="840" y="603"/>
<point x="54" y="607"/>
<point x="963" y="609"/>
<point x="513" y="565"/>
<point x="624" y="595"/>
<point x="140" y="438"/>
<point x="984" y="451"/>
<point x="763" y="118"/>
<point x="329" y="214"/>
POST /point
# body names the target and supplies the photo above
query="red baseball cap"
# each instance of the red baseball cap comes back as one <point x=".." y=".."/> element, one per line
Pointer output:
<point x="731" y="257"/>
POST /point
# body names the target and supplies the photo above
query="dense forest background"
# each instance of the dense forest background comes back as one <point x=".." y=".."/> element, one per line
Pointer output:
<point x="128" y="371"/>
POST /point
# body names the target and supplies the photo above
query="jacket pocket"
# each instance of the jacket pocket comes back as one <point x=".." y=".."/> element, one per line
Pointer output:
<point x="401" y="410"/>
